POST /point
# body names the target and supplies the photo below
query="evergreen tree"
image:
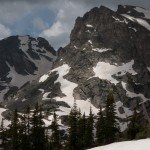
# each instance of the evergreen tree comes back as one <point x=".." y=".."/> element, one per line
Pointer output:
<point x="101" y="128"/>
<point x="112" y="127"/>
<point x="134" y="126"/>
<point x="24" y="136"/>
<point x="14" y="128"/>
<point x="55" y="138"/>
<point x="73" y="139"/>
<point x="81" y="131"/>
<point x="89" y="137"/>
<point x="37" y="130"/>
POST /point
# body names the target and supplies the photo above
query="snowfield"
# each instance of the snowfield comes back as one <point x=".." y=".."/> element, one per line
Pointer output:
<point x="101" y="50"/>
<point x="127" y="145"/>
<point x="105" y="70"/>
<point x="6" y="122"/>
<point x="67" y="88"/>
<point x="140" y="21"/>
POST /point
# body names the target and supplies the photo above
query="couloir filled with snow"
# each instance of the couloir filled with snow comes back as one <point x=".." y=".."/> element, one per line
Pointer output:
<point x="67" y="88"/>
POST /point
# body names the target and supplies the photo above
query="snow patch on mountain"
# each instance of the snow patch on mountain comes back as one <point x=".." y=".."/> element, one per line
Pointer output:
<point x="6" y="122"/>
<point x="45" y="96"/>
<point x="90" y="42"/>
<point x="101" y="50"/>
<point x="132" y="94"/>
<point x="144" y="11"/>
<point x="133" y="29"/>
<point x="143" y="144"/>
<point x="127" y="113"/>
<point x="67" y="88"/>
<point x="118" y="20"/>
<point x="105" y="71"/>
<point x="43" y="78"/>
<point x="140" y="21"/>
<point x="89" y="25"/>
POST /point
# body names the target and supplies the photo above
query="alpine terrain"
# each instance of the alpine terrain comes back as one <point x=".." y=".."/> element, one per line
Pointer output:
<point x="109" y="51"/>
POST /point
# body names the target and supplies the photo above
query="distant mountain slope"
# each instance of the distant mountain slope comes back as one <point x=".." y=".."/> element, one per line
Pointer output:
<point x="23" y="59"/>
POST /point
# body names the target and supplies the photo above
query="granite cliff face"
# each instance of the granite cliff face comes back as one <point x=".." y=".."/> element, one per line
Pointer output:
<point x="108" y="51"/>
<point x="22" y="59"/>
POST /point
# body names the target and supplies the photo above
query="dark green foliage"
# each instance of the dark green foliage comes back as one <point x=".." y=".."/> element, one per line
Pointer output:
<point x="73" y="138"/>
<point x="134" y="126"/>
<point x="101" y="128"/>
<point x="55" y="138"/>
<point x="89" y="137"/>
<point x="14" y="128"/>
<point x="38" y="131"/>
<point x="81" y="131"/>
<point x="112" y="127"/>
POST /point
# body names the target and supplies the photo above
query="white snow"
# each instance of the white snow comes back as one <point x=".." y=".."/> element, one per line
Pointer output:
<point x="90" y="42"/>
<point x="143" y="144"/>
<point x="67" y="88"/>
<point x="42" y="90"/>
<point x="43" y="65"/>
<point x="101" y="50"/>
<point x="45" y="96"/>
<point x="148" y="68"/>
<point x="132" y="94"/>
<point x="146" y="12"/>
<point x="105" y="70"/>
<point x="47" y="122"/>
<point x="24" y="100"/>
<point x="133" y="29"/>
<point x="140" y="21"/>
<point x="6" y="122"/>
<point x="118" y="20"/>
<point x="88" y="31"/>
<point x="89" y="25"/>
<point x="127" y="113"/>
<point x="75" y="47"/>
<point x="44" y="78"/>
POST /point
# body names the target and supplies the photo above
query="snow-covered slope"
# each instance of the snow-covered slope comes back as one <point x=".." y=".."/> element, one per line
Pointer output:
<point x="23" y="59"/>
<point x="127" y="145"/>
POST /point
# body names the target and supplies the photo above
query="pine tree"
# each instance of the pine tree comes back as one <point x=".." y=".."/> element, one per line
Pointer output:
<point x="134" y="126"/>
<point x="73" y="139"/>
<point x="81" y="131"/>
<point x="37" y="130"/>
<point x="89" y="137"/>
<point x="24" y="144"/>
<point x="14" y="128"/>
<point x="112" y="127"/>
<point x="55" y="138"/>
<point x="101" y="128"/>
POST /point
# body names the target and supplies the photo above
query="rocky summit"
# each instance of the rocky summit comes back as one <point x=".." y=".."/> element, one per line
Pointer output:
<point x="108" y="51"/>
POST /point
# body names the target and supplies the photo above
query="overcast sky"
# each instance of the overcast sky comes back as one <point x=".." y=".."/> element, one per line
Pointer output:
<point x="52" y="19"/>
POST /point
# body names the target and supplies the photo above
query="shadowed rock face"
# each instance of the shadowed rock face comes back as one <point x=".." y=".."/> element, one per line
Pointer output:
<point x="23" y="59"/>
<point x="107" y="52"/>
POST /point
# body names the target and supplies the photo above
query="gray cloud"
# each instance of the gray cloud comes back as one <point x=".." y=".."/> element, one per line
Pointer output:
<point x="66" y="12"/>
